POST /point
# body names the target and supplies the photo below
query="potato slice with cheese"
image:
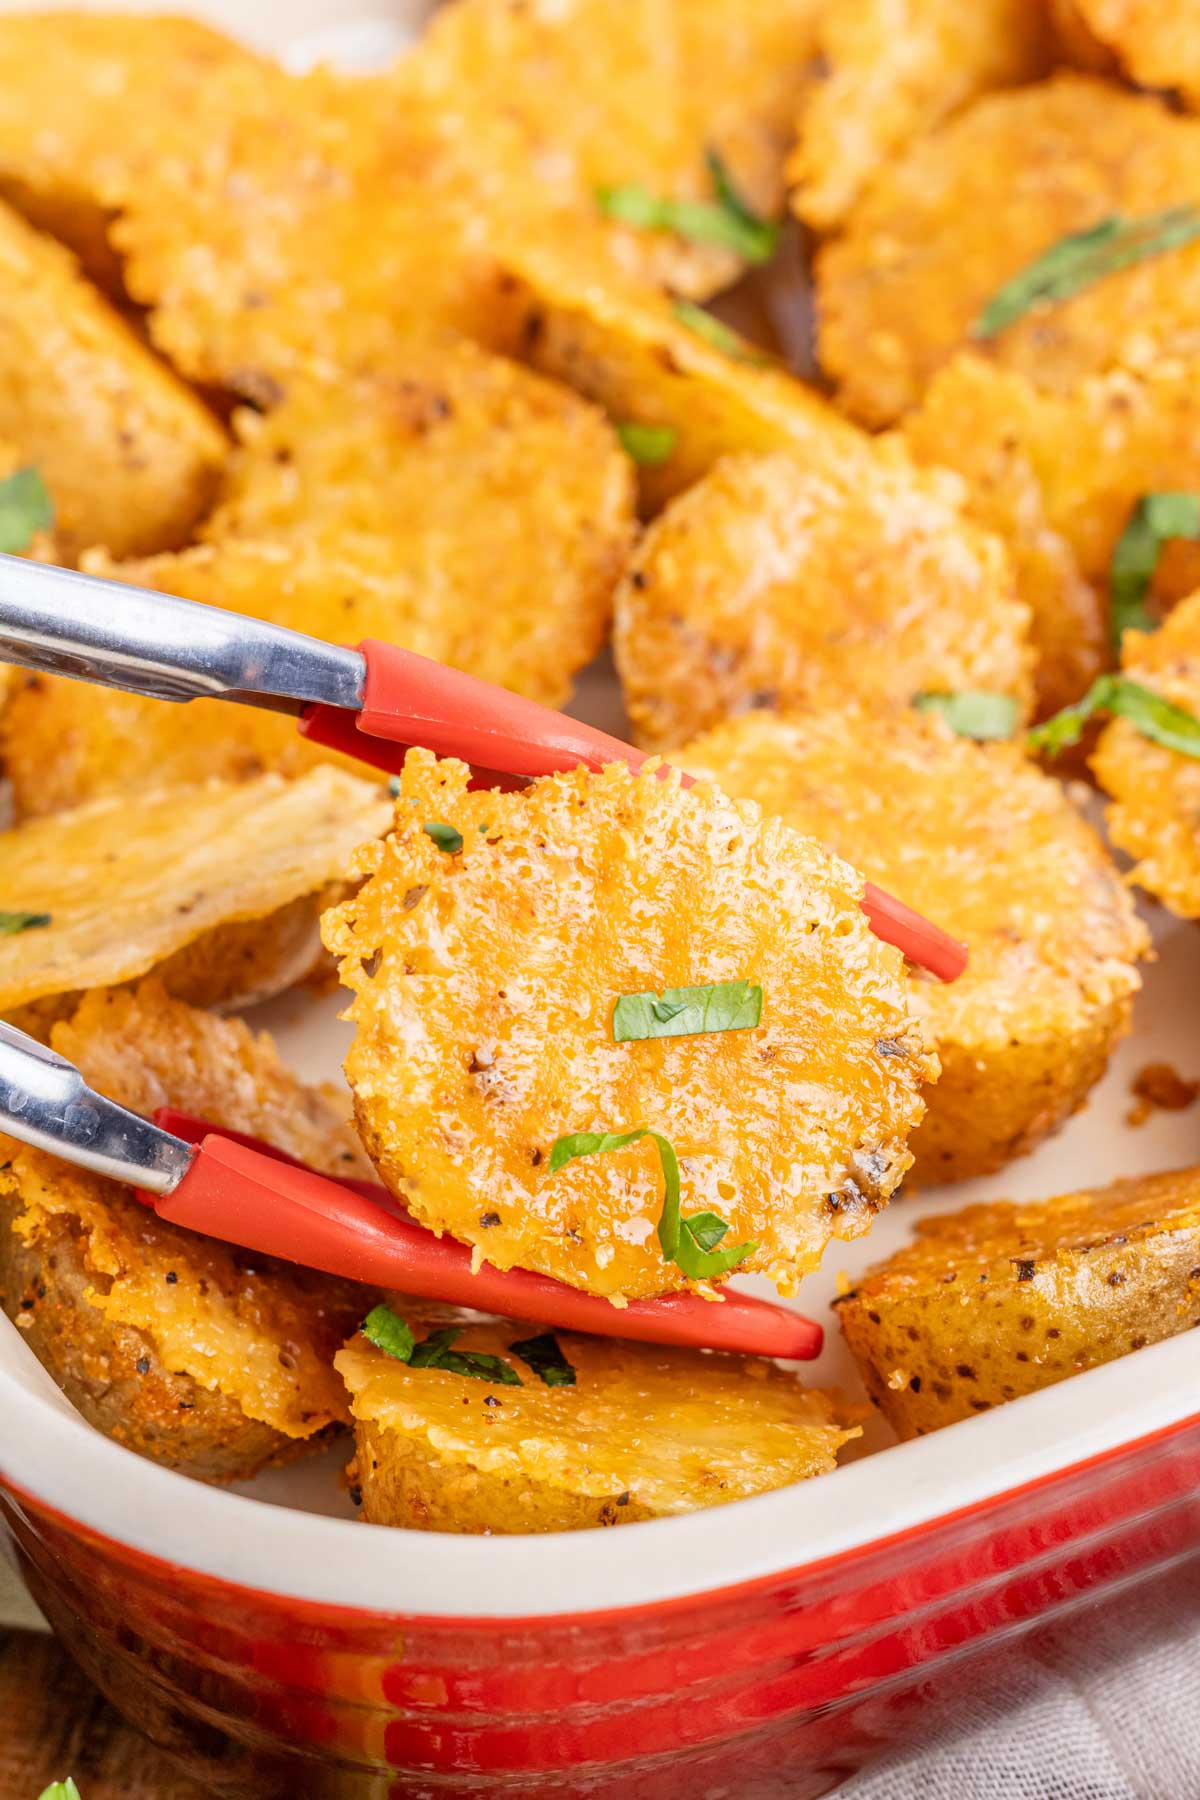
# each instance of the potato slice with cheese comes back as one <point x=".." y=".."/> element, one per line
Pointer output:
<point x="186" y="1350"/>
<point x="217" y="887"/>
<point x="997" y="1301"/>
<point x="976" y="837"/>
<point x="487" y="950"/>
<point x="774" y="581"/>
<point x="130" y="454"/>
<point x="628" y="1431"/>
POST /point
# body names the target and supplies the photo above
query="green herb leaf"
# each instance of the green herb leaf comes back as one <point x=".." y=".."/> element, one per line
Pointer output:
<point x="1154" y="520"/>
<point x="394" y="787"/>
<point x="25" y="509"/>
<point x="12" y="922"/>
<point x="1157" y="719"/>
<point x="648" y="445"/>
<point x="972" y="713"/>
<point x="1084" y="257"/>
<point x="60" y="1790"/>
<point x="714" y="331"/>
<point x="688" y="1243"/>
<point x="545" y="1357"/>
<point x="434" y="1352"/>
<point x="725" y="221"/>
<point x="388" y="1332"/>
<point x="687" y="1011"/>
<point x="444" y="836"/>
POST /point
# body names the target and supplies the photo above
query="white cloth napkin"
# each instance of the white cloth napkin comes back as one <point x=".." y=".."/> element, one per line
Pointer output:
<point x="1104" y="1706"/>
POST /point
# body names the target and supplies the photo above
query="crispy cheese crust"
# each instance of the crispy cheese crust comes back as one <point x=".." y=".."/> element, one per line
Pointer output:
<point x="216" y="886"/>
<point x="998" y="1301"/>
<point x="775" y="581"/>
<point x="192" y="1353"/>
<point x="977" y="838"/>
<point x="130" y="455"/>
<point x="1156" y="792"/>
<point x="484" y="983"/>
<point x="976" y="202"/>
<point x="1153" y="44"/>
<point x="645" y="1432"/>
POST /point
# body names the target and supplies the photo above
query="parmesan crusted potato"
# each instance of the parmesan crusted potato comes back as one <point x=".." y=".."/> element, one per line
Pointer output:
<point x="484" y="981"/>
<point x="217" y="887"/>
<point x="189" y="1352"/>
<point x="972" y="205"/>
<point x="131" y="456"/>
<point x="998" y="1301"/>
<point x="644" y="1432"/>
<point x="773" y="582"/>
<point x="1154" y="43"/>
<point x="1155" y="791"/>
<point x="886" y="72"/>
<point x="976" y="837"/>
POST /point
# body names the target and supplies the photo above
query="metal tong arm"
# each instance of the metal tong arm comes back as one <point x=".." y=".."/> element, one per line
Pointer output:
<point x="66" y="623"/>
<point x="45" y="1101"/>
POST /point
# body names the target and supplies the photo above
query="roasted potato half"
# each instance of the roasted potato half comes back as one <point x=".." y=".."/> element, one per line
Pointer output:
<point x="217" y="887"/>
<point x="192" y="1353"/>
<point x="486" y="952"/>
<point x="775" y="581"/>
<point x="641" y="1432"/>
<point x="130" y="454"/>
<point x="976" y="837"/>
<point x="998" y="1301"/>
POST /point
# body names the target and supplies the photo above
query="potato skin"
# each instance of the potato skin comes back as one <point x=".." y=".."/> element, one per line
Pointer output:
<point x="484" y="983"/>
<point x="646" y="1432"/>
<point x="775" y="581"/>
<point x="976" y="837"/>
<point x="998" y="1301"/>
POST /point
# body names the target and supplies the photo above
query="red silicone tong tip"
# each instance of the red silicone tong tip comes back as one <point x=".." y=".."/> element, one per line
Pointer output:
<point x="248" y="1194"/>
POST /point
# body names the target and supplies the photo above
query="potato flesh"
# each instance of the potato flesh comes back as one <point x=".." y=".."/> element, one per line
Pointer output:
<point x="998" y="1301"/>
<point x="484" y="984"/>
<point x="132" y="882"/>
<point x="1156" y="792"/>
<point x="978" y="839"/>
<point x="774" y="582"/>
<point x="645" y="1432"/>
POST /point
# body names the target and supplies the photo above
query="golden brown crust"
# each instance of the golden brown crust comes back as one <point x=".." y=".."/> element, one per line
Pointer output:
<point x="646" y="1432"/>
<point x="1154" y="45"/>
<point x="998" y="1301"/>
<point x="484" y="984"/>
<point x="776" y="581"/>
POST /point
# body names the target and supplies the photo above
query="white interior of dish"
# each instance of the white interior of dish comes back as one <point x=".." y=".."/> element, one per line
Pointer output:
<point x="292" y="1531"/>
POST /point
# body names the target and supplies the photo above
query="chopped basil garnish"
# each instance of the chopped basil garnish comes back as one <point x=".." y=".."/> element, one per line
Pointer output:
<point x="60" y="1790"/>
<point x="1157" y="719"/>
<point x="973" y="714"/>
<point x="687" y="1011"/>
<point x="689" y="1243"/>
<point x="389" y="1332"/>
<point x="25" y="509"/>
<point x="12" y="922"/>
<point x="544" y="1356"/>
<point x="444" y="836"/>
<point x="648" y="445"/>
<point x="714" y="331"/>
<point x="725" y="221"/>
<point x="394" y="787"/>
<point x="1153" y="522"/>
<point x="1084" y="257"/>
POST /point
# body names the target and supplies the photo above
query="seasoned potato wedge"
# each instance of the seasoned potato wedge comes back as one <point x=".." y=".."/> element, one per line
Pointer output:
<point x="188" y="1351"/>
<point x="774" y="581"/>
<point x="215" y="886"/>
<point x="644" y="1432"/>
<point x="976" y="837"/>
<point x="885" y="73"/>
<point x="1155" y="791"/>
<point x="131" y="456"/>
<point x="484" y="982"/>
<point x="972" y="205"/>
<point x="997" y="1301"/>
<point x="1153" y="44"/>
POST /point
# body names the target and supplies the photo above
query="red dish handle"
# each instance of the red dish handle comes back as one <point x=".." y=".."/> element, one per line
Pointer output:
<point x="261" y="1201"/>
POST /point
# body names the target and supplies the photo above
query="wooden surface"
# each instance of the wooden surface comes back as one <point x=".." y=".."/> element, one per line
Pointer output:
<point x="53" y="1724"/>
